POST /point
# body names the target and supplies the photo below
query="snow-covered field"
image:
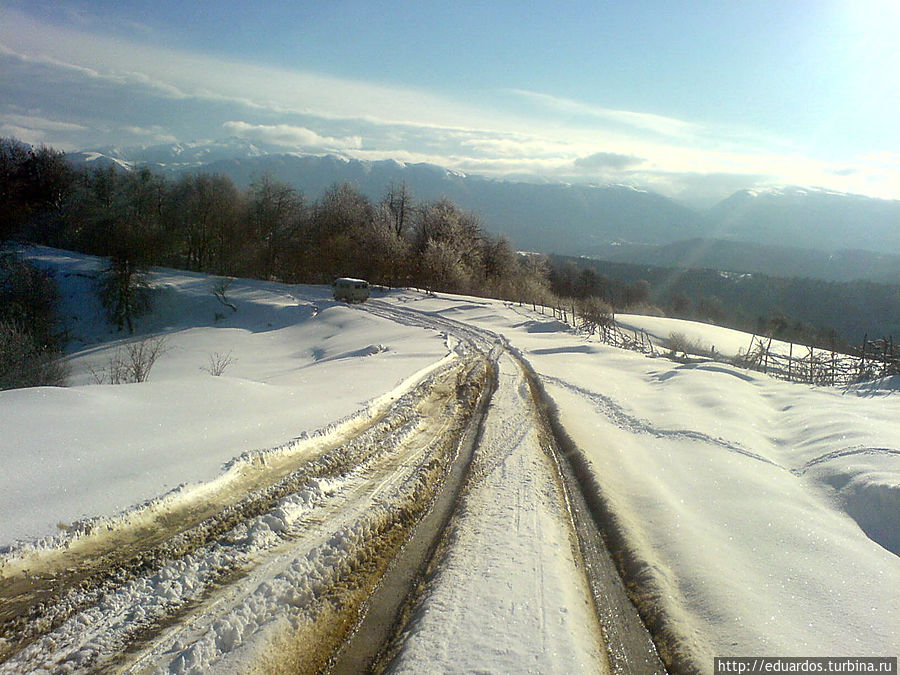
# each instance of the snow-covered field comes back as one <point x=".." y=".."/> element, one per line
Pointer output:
<point x="762" y="517"/>
<point x="300" y="362"/>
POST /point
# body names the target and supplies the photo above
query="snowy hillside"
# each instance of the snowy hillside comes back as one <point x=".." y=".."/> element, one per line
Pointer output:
<point x="752" y="516"/>
<point x="296" y="368"/>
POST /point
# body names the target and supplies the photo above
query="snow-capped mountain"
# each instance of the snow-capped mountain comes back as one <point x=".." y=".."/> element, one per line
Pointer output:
<point x="810" y="218"/>
<point x="552" y="217"/>
<point x="174" y="156"/>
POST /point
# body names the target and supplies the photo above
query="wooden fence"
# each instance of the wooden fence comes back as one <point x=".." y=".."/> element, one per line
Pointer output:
<point x="802" y="363"/>
<point x="872" y="359"/>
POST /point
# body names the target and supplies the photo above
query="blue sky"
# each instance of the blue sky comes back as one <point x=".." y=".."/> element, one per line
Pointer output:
<point x="692" y="99"/>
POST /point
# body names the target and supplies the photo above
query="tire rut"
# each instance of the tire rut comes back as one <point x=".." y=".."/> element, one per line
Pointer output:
<point x="66" y="582"/>
<point x="631" y="649"/>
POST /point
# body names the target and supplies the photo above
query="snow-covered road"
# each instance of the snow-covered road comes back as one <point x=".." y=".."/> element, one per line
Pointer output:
<point x="289" y="564"/>
<point x="511" y="546"/>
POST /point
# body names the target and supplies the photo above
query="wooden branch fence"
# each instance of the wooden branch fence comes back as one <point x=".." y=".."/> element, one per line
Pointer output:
<point x="873" y="359"/>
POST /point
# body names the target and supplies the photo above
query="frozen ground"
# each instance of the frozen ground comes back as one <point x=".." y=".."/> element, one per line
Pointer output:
<point x="761" y="516"/>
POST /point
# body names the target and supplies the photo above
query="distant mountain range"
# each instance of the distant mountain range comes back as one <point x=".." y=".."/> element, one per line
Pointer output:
<point x="748" y="257"/>
<point x="783" y="232"/>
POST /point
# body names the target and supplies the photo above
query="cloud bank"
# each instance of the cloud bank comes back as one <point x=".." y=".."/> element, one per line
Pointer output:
<point x="608" y="160"/>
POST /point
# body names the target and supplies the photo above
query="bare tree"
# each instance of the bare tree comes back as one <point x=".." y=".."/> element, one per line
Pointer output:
<point x="124" y="292"/>
<point x="24" y="363"/>
<point x="202" y="215"/>
<point x="275" y="215"/>
<point x="131" y="363"/>
<point x="218" y="363"/>
<point x="595" y="314"/>
<point x="498" y="269"/>
<point x="386" y="253"/>
<point x="447" y="246"/>
<point x="399" y="203"/>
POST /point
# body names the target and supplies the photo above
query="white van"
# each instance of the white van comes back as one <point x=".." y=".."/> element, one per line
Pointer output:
<point x="350" y="290"/>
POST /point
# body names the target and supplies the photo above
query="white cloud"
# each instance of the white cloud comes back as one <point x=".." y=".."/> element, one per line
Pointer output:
<point x="37" y="130"/>
<point x="511" y="131"/>
<point x="291" y="136"/>
<point x="39" y="123"/>
<point x="182" y="74"/>
<point x="639" y="121"/>
<point x="120" y="77"/>
<point x="517" y="146"/>
<point x="154" y="133"/>
<point x="608" y="161"/>
<point x="23" y="134"/>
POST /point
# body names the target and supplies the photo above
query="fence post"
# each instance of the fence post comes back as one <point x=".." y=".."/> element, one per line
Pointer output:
<point x="750" y="348"/>
<point x="862" y="368"/>
<point x="832" y="367"/>
<point x="811" y="364"/>
<point x="790" y="361"/>
<point x="894" y="365"/>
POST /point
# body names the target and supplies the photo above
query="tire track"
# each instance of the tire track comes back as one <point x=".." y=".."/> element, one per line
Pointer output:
<point x="630" y="646"/>
<point x="107" y="605"/>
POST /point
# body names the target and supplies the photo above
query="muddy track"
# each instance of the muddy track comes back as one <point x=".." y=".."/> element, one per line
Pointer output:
<point x="388" y="609"/>
<point x="398" y="457"/>
<point x="631" y="649"/>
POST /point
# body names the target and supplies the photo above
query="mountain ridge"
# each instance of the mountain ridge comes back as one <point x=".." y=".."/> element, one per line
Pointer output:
<point x="565" y="218"/>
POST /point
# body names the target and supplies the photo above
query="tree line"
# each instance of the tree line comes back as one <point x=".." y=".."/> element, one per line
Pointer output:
<point x="824" y="314"/>
<point x="203" y="222"/>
